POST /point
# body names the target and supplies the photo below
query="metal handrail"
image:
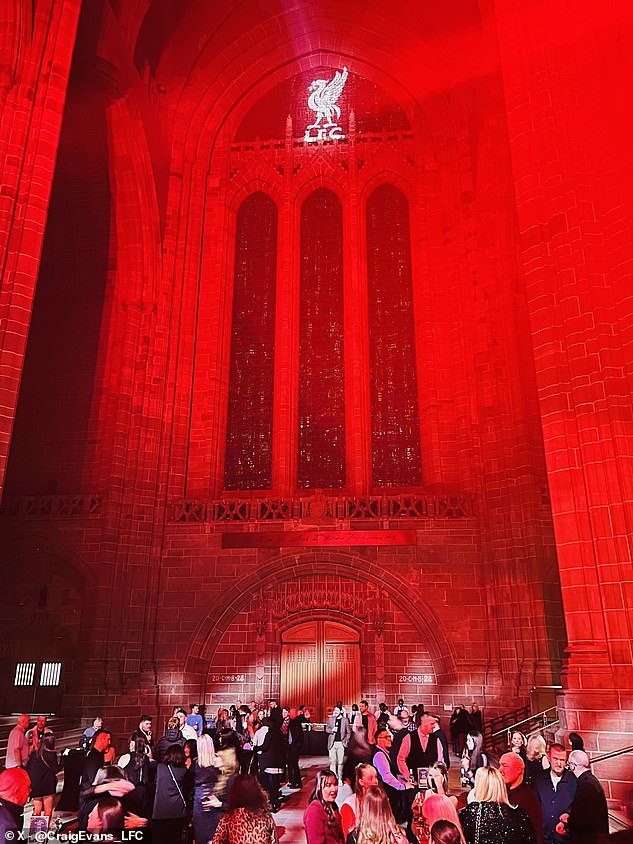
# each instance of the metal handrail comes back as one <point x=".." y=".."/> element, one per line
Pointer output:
<point x="542" y="715"/>
<point x="612" y="754"/>
<point x="549" y="725"/>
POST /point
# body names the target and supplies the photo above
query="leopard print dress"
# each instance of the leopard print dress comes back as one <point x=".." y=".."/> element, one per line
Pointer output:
<point x="243" y="826"/>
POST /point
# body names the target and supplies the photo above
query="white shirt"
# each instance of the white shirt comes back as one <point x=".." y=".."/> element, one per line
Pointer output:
<point x="555" y="780"/>
<point x="188" y="732"/>
<point x="17" y="741"/>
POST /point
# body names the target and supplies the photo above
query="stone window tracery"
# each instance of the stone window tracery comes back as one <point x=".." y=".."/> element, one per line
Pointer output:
<point x="248" y="458"/>
<point x="395" y="427"/>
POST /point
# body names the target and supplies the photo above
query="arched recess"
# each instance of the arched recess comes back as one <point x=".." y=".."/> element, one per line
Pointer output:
<point x="284" y="568"/>
<point x="43" y="614"/>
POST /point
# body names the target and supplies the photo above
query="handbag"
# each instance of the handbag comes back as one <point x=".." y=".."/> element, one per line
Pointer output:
<point x="184" y="802"/>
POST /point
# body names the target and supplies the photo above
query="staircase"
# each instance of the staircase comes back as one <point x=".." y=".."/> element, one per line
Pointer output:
<point x="498" y="731"/>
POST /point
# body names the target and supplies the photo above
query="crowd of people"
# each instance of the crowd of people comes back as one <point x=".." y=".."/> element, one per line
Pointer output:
<point x="217" y="779"/>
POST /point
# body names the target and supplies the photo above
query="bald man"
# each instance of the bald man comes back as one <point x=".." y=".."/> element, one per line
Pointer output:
<point x="512" y="769"/>
<point x="18" y="747"/>
<point x="15" y="787"/>
<point x="588" y="814"/>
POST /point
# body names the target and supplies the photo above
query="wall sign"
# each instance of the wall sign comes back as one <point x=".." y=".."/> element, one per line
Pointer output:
<point x="416" y="678"/>
<point x="323" y="96"/>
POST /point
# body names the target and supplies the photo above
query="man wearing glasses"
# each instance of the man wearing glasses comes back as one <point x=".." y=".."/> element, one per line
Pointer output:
<point x="556" y="790"/>
<point x="588" y="814"/>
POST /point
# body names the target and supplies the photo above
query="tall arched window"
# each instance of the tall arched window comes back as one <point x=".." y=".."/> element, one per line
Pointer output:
<point x="321" y="460"/>
<point x="248" y="461"/>
<point x="392" y="364"/>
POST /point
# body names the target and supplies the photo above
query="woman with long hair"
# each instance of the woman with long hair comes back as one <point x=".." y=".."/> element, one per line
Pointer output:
<point x="43" y="767"/>
<point x="518" y="743"/>
<point x="171" y="801"/>
<point x="206" y="774"/>
<point x="536" y="760"/>
<point x="365" y="776"/>
<point x="445" y="832"/>
<point x="376" y="824"/>
<point x="473" y="757"/>
<point x="490" y="819"/>
<point x="107" y="816"/>
<point x="139" y="771"/>
<point x="321" y="820"/>
<point x="248" y="819"/>
<point x="436" y="807"/>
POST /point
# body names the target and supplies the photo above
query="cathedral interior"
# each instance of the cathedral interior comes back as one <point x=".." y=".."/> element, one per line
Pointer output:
<point x="316" y="357"/>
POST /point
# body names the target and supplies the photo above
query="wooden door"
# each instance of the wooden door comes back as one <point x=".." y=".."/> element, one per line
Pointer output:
<point x="320" y="664"/>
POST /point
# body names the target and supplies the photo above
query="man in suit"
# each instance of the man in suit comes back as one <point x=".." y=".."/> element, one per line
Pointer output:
<point x="294" y="747"/>
<point x="339" y="732"/>
<point x="588" y="814"/>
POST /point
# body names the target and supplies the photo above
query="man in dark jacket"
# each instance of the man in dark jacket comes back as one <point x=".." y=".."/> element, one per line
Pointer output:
<point x="588" y="814"/>
<point x="439" y="734"/>
<point x="274" y="713"/>
<point x="15" y="787"/>
<point x="462" y="725"/>
<point x="101" y="754"/>
<point x="512" y="769"/>
<point x="555" y="790"/>
<point x="272" y="761"/>
<point x="294" y="748"/>
<point x="172" y="736"/>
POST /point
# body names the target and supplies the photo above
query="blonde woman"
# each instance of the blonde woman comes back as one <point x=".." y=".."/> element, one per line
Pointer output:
<point x="490" y="819"/>
<point x="438" y="786"/>
<point x="352" y="808"/>
<point x="377" y="824"/>
<point x="536" y="761"/>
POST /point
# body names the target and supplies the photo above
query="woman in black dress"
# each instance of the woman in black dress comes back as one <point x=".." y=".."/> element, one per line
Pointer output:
<point x="490" y="819"/>
<point x="43" y="767"/>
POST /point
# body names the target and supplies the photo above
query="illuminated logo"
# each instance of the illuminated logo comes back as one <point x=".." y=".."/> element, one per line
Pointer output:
<point x="322" y="100"/>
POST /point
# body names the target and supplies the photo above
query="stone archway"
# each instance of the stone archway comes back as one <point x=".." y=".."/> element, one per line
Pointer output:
<point x="236" y="652"/>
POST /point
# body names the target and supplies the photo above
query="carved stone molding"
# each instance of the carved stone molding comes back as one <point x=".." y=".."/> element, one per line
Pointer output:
<point x="340" y="594"/>
<point x="51" y="506"/>
<point x="321" y="509"/>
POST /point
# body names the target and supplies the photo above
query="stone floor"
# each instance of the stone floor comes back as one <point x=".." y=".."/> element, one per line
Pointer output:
<point x="289" y="818"/>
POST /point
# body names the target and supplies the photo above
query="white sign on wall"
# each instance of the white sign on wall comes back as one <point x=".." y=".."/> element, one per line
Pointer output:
<point x="323" y="96"/>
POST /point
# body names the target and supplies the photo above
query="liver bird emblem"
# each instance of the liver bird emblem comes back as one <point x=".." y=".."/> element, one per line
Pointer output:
<point x="323" y="97"/>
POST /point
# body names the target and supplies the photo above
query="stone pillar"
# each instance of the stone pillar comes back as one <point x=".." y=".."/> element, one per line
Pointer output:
<point x="35" y="60"/>
<point x="567" y="70"/>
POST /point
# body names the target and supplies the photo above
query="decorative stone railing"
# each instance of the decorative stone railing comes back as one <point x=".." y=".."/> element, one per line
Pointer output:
<point x="325" y="509"/>
<point x="51" y="506"/>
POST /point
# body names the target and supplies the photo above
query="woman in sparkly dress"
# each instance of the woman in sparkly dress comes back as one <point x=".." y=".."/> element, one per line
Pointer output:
<point x="490" y="819"/>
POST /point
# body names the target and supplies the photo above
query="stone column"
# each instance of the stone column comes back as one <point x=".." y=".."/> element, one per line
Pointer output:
<point x="35" y="60"/>
<point x="567" y="70"/>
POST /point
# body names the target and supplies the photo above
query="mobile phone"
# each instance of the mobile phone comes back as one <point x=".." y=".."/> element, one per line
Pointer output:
<point x="423" y="778"/>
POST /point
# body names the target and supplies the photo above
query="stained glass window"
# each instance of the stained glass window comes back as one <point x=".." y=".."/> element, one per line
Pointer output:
<point x="248" y="462"/>
<point x="321" y="462"/>
<point x="394" y="405"/>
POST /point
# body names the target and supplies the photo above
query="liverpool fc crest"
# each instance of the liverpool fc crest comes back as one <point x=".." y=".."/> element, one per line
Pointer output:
<point x="323" y="100"/>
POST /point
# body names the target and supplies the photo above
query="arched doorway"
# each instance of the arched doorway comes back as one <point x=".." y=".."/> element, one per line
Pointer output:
<point x="320" y="664"/>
